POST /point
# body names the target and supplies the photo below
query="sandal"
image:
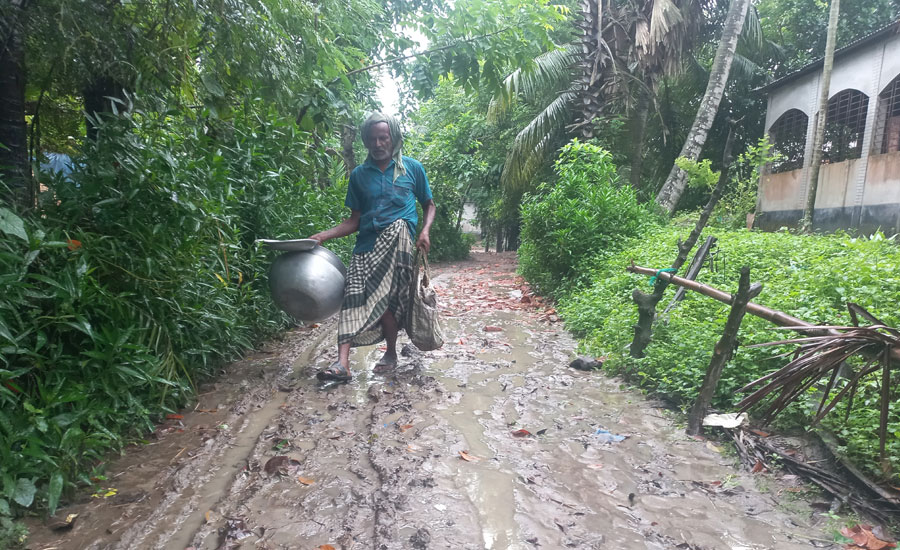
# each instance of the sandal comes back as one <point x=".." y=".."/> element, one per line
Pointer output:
<point x="336" y="372"/>
<point x="385" y="365"/>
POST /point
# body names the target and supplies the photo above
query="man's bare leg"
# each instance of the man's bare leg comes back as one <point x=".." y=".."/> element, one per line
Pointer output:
<point x="344" y="355"/>
<point x="390" y="328"/>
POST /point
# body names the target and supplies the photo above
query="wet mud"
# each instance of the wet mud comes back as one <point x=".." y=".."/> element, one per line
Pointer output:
<point x="492" y="442"/>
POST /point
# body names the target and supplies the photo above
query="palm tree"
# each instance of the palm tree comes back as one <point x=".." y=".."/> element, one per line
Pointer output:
<point x="13" y="149"/>
<point x="819" y="138"/>
<point x="676" y="182"/>
<point x="624" y="50"/>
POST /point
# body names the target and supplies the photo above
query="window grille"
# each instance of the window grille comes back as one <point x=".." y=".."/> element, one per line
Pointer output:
<point x="889" y="118"/>
<point x="788" y="135"/>
<point x="845" y="126"/>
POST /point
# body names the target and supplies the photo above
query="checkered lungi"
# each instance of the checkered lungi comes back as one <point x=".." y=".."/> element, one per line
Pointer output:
<point x="377" y="281"/>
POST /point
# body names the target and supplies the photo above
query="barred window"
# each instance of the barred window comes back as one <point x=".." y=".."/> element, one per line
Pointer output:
<point x="788" y="135"/>
<point x="888" y="125"/>
<point x="845" y="126"/>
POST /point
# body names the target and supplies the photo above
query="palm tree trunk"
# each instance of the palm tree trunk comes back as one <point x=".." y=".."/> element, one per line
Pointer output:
<point x="718" y="77"/>
<point x="348" y="135"/>
<point x="819" y="138"/>
<point x="638" y="129"/>
<point x="13" y="135"/>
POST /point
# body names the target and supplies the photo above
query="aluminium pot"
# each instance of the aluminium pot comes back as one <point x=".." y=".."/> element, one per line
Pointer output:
<point x="308" y="284"/>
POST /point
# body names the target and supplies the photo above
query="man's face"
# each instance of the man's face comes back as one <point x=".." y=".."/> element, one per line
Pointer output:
<point x="380" y="145"/>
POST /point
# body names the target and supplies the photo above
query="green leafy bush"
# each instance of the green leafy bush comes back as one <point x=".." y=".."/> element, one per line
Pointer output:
<point x="810" y="277"/>
<point x="140" y="276"/>
<point x="739" y="198"/>
<point x="442" y="137"/>
<point x="585" y="212"/>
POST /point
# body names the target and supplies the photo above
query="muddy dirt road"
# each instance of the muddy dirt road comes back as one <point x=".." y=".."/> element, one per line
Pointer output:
<point x="431" y="455"/>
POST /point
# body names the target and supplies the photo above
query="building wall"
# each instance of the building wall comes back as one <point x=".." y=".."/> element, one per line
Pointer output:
<point x="470" y="220"/>
<point x="861" y="193"/>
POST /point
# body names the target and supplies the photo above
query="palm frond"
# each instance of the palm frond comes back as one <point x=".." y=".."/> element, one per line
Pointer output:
<point x="742" y="67"/>
<point x="541" y="77"/>
<point x="751" y="36"/>
<point x="665" y="17"/>
<point x="822" y="357"/>
<point x="529" y="148"/>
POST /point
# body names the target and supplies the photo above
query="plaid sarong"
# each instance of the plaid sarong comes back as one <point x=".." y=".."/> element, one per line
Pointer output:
<point x="377" y="281"/>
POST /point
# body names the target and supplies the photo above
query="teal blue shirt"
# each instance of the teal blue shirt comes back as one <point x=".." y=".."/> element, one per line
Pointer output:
<point x="382" y="201"/>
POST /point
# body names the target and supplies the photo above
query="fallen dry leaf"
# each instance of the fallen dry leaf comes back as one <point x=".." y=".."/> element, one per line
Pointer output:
<point x="175" y="416"/>
<point x="760" y="433"/>
<point x="405" y="427"/>
<point x="305" y="480"/>
<point x="758" y="467"/>
<point x="492" y="328"/>
<point x="326" y="547"/>
<point x="864" y="539"/>
<point x="208" y="516"/>
<point x="521" y="433"/>
<point x="467" y="457"/>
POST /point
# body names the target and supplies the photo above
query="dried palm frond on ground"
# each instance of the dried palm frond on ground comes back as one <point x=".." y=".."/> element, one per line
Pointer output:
<point x="818" y="357"/>
<point x="758" y="453"/>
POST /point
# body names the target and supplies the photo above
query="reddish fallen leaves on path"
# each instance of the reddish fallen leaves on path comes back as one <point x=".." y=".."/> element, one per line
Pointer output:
<point x="305" y="480"/>
<point x="864" y="539"/>
<point x="491" y="328"/>
<point x="521" y="433"/>
<point x="491" y="289"/>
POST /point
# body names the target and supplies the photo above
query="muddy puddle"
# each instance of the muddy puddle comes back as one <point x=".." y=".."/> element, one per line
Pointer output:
<point x="492" y="442"/>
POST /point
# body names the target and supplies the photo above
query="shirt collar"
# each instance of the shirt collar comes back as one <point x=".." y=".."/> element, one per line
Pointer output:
<point x="371" y="163"/>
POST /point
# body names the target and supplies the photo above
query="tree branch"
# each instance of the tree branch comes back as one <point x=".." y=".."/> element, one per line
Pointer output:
<point x="426" y="52"/>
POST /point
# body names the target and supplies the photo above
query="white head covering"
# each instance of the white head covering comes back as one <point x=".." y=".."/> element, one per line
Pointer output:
<point x="396" y="139"/>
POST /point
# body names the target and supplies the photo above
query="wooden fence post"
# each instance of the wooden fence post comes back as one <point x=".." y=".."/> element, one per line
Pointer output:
<point x="646" y="303"/>
<point x="723" y="350"/>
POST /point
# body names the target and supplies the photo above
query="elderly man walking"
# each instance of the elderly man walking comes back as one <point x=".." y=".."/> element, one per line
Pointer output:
<point x="382" y="200"/>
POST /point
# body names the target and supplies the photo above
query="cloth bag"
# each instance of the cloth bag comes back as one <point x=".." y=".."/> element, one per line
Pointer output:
<point x="423" y="325"/>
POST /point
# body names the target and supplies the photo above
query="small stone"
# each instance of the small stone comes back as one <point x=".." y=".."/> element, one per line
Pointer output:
<point x="585" y="363"/>
<point x="420" y="539"/>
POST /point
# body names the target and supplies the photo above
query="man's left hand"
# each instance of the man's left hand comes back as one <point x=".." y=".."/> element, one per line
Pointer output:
<point x="424" y="242"/>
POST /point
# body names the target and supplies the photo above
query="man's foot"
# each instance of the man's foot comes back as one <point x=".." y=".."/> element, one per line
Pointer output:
<point x="336" y="372"/>
<point x="386" y="364"/>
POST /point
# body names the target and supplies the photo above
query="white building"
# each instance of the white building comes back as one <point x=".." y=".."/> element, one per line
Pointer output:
<point x="859" y="181"/>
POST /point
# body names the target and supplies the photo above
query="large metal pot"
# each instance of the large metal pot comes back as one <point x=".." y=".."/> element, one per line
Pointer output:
<point x="308" y="284"/>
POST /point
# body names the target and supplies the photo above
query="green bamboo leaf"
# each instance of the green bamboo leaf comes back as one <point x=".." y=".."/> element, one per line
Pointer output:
<point x="12" y="224"/>
<point x="54" y="491"/>
<point x="24" y="492"/>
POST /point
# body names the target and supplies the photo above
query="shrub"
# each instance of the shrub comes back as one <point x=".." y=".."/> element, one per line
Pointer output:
<point x="585" y="212"/>
<point x="810" y="277"/>
<point x="140" y="276"/>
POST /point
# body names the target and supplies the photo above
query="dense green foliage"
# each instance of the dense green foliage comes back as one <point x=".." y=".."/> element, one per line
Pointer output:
<point x="811" y="278"/>
<point x="585" y="212"/>
<point x="195" y="128"/>
<point x="141" y="277"/>
<point x="212" y="123"/>
<point x="443" y="139"/>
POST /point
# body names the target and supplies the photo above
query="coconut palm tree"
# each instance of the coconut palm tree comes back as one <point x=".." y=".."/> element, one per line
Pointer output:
<point x="624" y="50"/>
<point x="675" y="184"/>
